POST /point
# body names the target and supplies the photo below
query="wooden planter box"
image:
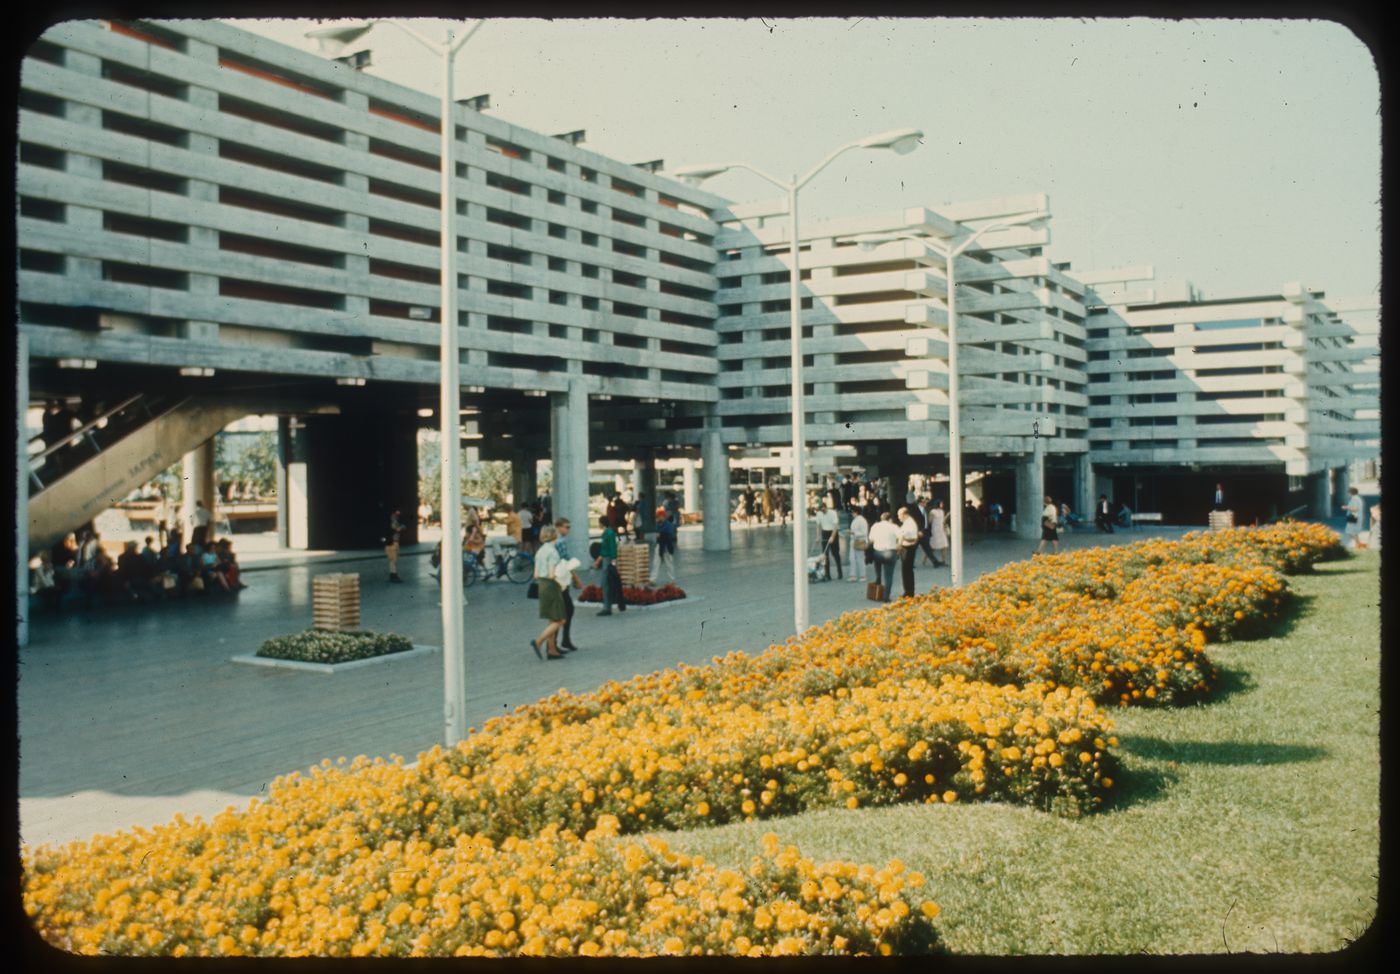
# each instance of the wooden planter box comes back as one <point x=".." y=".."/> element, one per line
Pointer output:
<point x="335" y="602"/>
<point x="1222" y="520"/>
<point x="634" y="564"/>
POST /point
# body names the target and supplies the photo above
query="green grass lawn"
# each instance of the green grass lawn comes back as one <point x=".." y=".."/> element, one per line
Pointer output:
<point x="1249" y="823"/>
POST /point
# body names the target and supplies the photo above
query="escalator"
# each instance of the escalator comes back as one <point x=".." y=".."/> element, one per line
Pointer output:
<point x="72" y="481"/>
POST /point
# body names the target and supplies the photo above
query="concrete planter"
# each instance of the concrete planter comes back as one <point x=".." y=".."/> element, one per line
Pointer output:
<point x="291" y="664"/>
<point x="642" y="608"/>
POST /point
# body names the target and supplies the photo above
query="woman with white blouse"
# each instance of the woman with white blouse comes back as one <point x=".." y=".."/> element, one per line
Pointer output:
<point x="860" y="541"/>
<point x="551" y="595"/>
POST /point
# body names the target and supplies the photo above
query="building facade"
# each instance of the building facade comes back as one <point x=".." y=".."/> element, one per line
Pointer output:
<point x="207" y="216"/>
<point x="1272" y="396"/>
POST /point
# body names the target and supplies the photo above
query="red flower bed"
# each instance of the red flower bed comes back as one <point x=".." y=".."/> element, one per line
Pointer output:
<point x="634" y="596"/>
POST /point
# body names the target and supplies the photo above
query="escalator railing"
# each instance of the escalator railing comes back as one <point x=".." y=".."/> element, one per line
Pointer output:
<point x="95" y="436"/>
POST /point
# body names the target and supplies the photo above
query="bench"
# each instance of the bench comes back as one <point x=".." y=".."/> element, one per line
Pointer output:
<point x="1147" y="519"/>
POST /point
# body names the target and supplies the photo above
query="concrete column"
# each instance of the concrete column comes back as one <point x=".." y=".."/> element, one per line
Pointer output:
<point x="284" y="435"/>
<point x="645" y="487"/>
<point x="1084" y="497"/>
<point x="1320" y="493"/>
<point x="690" y="494"/>
<point x="1341" y="483"/>
<point x="898" y="470"/>
<point x="636" y="479"/>
<point x="21" y="490"/>
<point x="714" y="490"/>
<point x="298" y="502"/>
<point x="197" y="470"/>
<point x="1030" y="490"/>
<point x="1103" y="484"/>
<point x="568" y="436"/>
<point x="524" y="488"/>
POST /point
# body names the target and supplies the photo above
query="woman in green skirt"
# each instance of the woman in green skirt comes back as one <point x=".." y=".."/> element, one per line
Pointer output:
<point x="551" y="595"/>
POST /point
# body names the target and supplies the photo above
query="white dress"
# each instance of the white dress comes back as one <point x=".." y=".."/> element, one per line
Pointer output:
<point x="937" y="536"/>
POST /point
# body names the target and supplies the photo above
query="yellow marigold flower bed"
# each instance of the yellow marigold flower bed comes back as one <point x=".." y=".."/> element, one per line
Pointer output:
<point x="264" y="883"/>
<point x="703" y="761"/>
<point x="986" y="692"/>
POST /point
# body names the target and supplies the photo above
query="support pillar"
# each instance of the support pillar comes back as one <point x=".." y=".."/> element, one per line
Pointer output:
<point x="197" y="470"/>
<point x="898" y="471"/>
<point x="645" y="491"/>
<point x="714" y="489"/>
<point x="21" y="490"/>
<point x="636" y="479"/>
<point x="298" y="507"/>
<point x="568" y="438"/>
<point x="690" y="493"/>
<point x="1103" y="484"/>
<point x="1320" y="493"/>
<point x="1341" y="483"/>
<point x="524" y="488"/>
<point x="284" y="435"/>
<point x="1030" y="490"/>
<point x="1084" y="497"/>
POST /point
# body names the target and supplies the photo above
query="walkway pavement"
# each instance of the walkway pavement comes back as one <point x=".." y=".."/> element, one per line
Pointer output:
<point x="128" y="715"/>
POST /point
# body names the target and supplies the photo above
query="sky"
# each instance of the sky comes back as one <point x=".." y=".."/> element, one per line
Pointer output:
<point x="1237" y="154"/>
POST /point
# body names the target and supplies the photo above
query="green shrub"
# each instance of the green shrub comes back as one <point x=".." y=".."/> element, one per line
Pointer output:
<point x="325" y="646"/>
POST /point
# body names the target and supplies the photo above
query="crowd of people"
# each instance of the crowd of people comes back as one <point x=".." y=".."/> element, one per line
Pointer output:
<point x="768" y="505"/>
<point x="80" y="566"/>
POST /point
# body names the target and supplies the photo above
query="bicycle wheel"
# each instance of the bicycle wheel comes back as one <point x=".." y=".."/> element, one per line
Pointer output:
<point x="520" y="568"/>
<point x="470" y="571"/>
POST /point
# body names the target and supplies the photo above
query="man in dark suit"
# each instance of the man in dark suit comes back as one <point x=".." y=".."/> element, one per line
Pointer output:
<point x="1102" y="515"/>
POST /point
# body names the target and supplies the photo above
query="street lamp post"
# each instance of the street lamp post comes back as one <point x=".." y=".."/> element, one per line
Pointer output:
<point x="955" y="469"/>
<point x="332" y="41"/>
<point x="901" y="141"/>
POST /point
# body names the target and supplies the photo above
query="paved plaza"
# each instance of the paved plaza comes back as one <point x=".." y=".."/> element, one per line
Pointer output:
<point x="128" y="715"/>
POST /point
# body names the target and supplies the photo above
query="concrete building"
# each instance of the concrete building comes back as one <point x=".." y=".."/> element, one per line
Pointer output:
<point x="875" y="338"/>
<point x="199" y="223"/>
<point x="212" y="225"/>
<point x="1272" y="396"/>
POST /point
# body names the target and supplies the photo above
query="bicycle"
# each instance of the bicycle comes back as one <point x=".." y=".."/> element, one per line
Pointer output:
<point x="516" y="566"/>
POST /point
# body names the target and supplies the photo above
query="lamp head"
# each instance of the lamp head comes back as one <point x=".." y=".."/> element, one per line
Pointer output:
<point x="695" y="175"/>
<point x="333" y="40"/>
<point x="900" y="141"/>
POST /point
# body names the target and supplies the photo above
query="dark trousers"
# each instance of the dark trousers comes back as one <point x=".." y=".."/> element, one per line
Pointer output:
<point x="906" y="569"/>
<point x="565" y="639"/>
<point x="884" y="570"/>
<point x="832" y="550"/>
<point x="923" y="544"/>
<point x="1104" y="524"/>
<point x="612" y="586"/>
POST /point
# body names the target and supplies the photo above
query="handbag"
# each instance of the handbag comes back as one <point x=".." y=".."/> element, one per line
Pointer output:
<point x="1351" y="518"/>
<point x="875" y="592"/>
<point x="533" y="592"/>
<point x="859" y="544"/>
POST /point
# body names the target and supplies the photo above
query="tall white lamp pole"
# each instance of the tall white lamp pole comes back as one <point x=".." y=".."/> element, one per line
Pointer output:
<point x="955" y="467"/>
<point x="333" y="40"/>
<point x="901" y="142"/>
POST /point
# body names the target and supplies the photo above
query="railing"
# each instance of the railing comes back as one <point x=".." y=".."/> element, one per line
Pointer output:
<point x="47" y="460"/>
